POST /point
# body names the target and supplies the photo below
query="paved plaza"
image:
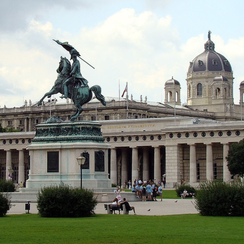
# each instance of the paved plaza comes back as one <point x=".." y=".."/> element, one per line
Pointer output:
<point x="166" y="207"/>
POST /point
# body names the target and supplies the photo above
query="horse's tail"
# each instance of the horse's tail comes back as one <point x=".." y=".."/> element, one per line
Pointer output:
<point x="97" y="91"/>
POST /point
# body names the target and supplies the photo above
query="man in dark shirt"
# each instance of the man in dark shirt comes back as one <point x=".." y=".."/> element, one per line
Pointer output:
<point x="127" y="206"/>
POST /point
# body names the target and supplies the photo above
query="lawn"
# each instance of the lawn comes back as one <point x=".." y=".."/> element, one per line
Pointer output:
<point x="31" y="228"/>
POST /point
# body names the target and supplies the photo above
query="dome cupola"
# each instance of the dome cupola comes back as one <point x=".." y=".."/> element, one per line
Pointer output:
<point x="209" y="60"/>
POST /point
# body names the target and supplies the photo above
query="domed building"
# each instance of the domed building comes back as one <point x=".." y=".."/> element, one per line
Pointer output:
<point x="210" y="82"/>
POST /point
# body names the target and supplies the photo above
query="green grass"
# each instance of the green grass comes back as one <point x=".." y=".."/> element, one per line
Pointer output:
<point x="31" y="228"/>
<point x="170" y="194"/>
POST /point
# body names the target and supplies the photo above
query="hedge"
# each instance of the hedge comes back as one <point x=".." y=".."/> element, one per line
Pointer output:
<point x="64" y="201"/>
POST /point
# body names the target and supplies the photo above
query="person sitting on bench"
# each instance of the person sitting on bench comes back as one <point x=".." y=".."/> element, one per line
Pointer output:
<point x="127" y="206"/>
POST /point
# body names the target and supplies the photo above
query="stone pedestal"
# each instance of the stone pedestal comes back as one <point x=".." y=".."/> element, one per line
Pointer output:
<point x="54" y="151"/>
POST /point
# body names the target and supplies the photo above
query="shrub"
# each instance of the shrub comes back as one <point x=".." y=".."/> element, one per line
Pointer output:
<point x="4" y="204"/>
<point x="63" y="201"/>
<point x="217" y="198"/>
<point x="180" y="188"/>
<point x="6" y="186"/>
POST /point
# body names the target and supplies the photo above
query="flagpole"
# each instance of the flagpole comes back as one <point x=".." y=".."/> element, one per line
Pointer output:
<point x="127" y="105"/>
<point x="119" y="90"/>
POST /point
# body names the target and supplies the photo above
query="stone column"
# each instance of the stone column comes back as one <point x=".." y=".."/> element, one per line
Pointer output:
<point x="145" y="173"/>
<point x="30" y="124"/>
<point x="8" y="163"/>
<point x="113" y="167"/>
<point x="25" y="123"/>
<point x="21" y="177"/>
<point x="209" y="162"/>
<point x="172" y="165"/>
<point x="157" y="165"/>
<point x="226" y="172"/>
<point x="92" y="163"/>
<point x="134" y="174"/>
<point x="124" y="167"/>
<point x="193" y="164"/>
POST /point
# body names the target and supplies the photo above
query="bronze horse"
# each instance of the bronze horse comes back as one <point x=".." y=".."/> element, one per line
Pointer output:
<point x="79" y="94"/>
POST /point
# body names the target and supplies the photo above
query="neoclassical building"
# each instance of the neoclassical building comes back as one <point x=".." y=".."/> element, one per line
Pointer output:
<point x="148" y="140"/>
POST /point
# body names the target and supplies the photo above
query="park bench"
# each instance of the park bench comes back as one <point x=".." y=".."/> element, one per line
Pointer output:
<point x="112" y="207"/>
<point x="188" y="194"/>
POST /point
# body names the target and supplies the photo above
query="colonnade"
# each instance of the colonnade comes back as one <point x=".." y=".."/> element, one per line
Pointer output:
<point x="147" y="162"/>
<point x="139" y="162"/>
<point x="9" y="170"/>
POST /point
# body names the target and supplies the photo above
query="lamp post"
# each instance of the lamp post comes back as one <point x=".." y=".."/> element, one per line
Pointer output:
<point x="81" y="160"/>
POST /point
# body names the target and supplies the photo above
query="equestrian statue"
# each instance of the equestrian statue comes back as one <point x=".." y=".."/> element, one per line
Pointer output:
<point x="71" y="84"/>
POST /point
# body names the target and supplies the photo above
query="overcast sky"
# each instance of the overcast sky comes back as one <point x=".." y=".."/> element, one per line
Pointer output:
<point x="142" y="42"/>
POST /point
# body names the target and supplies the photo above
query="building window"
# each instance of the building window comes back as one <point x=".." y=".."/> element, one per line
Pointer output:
<point x="129" y="138"/>
<point x="203" y="134"/>
<point x="106" y="117"/>
<point x="108" y="139"/>
<point x="179" y="135"/>
<point x="187" y="134"/>
<point x="228" y="133"/>
<point x="195" y="134"/>
<point x="211" y="133"/>
<point x="159" y="137"/>
<point x="151" y="138"/>
<point x="9" y="122"/>
<point x="137" y="138"/>
<point x="215" y="171"/>
<point x="198" y="172"/>
<point x="238" y="133"/>
<point x="115" y="138"/>
<point x="171" y="135"/>
<point x="220" y="133"/>
<point x="217" y="92"/>
<point x="122" y="138"/>
<point x="144" y="138"/>
<point x="199" y="89"/>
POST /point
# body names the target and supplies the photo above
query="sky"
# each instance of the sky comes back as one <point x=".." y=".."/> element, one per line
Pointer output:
<point x="142" y="42"/>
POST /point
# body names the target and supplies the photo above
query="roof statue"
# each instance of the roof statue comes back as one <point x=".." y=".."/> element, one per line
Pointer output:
<point x="71" y="84"/>
<point x="209" y="35"/>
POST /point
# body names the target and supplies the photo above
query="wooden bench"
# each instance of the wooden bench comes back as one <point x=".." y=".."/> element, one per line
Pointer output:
<point x="189" y="194"/>
<point x="112" y="208"/>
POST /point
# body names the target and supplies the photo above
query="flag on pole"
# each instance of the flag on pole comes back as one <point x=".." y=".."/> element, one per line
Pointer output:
<point x="125" y="90"/>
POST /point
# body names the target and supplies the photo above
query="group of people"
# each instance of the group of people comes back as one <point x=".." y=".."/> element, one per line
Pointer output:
<point x="147" y="190"/>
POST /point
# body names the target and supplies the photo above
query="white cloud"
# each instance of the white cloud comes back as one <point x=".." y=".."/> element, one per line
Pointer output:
<point x="143" y="49"/>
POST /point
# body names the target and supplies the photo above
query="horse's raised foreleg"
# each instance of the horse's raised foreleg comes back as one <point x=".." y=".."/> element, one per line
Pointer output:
<point x="48" y="94"/>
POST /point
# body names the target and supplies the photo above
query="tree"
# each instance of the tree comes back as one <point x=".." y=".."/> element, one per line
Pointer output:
<point x="235" y="158"/>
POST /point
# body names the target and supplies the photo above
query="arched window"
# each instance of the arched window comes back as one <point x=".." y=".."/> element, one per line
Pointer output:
<point x="169" y="96"/>
<point x="225" y="93"/>
<point x="176" y="96"/>
<point x="199" y="89"/>
<point x="217" y="92"/>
